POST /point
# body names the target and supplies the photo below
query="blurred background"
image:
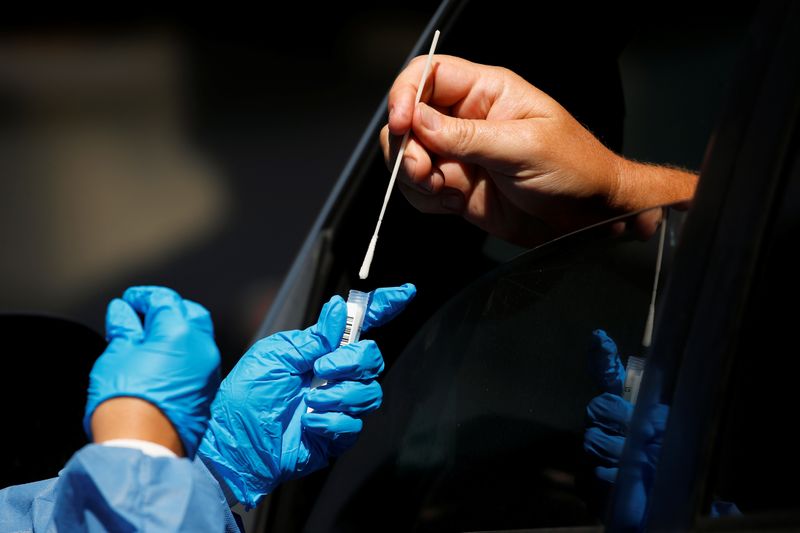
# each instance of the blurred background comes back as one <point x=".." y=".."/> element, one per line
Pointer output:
<point x="191" y="153"/>
<point x="195" y="152"/>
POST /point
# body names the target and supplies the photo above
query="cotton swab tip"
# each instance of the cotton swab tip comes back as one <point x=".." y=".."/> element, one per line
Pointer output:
<point x="364" y="272"/>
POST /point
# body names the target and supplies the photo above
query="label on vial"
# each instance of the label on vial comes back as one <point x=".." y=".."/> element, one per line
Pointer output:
<point x="352" y="328"/>
<point x="348" y="330"/>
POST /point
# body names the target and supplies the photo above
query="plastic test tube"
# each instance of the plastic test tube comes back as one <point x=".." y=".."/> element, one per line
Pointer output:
<point x="357" y="302"/>
<point x="356" y="309"/>
<point x="633" y="378"/>
<point x="635" y="368"/>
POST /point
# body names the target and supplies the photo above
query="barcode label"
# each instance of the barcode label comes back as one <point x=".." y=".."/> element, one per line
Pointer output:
<point x="348" y="331"/>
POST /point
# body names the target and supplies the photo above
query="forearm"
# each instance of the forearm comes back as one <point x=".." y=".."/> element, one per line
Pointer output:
<point x="134" y="418"/>
<point x="642" y="185"/>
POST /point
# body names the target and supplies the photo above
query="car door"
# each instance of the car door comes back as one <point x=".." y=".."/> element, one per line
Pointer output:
<point x="442" y="433"/>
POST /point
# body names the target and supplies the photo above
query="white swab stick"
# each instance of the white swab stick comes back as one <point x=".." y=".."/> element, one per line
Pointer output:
<point x="364" y="272"/>
<point x="651" y="314"/>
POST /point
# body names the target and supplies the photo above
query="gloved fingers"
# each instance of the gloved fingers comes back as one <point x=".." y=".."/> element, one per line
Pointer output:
<point x="122" y="322"/>
<point x="329" y="328"/>
<point x="163" y="309"/>
<point x="610" y="412"/>
<point x="360" y="360"/>
<point x="605" y="366"/>
<point x="386" y="303"/>
<point x="298" y="349"/>
<point x="605" y="473"/>
<point x="603" y="446"/>
<point x="332" y="426"/>
<point x="350" y="397"/>
<point x="199" y="316"/>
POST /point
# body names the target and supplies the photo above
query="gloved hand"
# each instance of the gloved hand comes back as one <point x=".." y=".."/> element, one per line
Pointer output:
<point x="172" y="362"/>
<point x="609" y="418"/>
<point x="260" y="434"/>
<point x="608" y="414"/>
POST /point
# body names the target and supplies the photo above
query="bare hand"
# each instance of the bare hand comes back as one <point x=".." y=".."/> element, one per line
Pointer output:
<point x="492" y="148"/>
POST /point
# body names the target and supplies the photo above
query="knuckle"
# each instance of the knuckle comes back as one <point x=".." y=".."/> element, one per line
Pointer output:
<point x="463" y="136"/>
<point x="502" y="72"/>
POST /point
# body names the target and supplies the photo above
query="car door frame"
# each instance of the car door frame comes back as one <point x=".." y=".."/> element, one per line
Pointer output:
<point x="746" y="169"/>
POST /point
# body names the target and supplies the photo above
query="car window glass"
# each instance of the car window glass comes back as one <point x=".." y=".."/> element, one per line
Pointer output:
<point x="483" y="415"/>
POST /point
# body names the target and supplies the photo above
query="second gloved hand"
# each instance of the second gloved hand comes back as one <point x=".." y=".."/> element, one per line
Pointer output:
<point x="608" y="414"/>
<point x="260" y="433"/>
<point x="172" y="362"/>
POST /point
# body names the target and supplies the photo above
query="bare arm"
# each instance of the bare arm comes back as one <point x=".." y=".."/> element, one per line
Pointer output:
<point x="133" y="418"/>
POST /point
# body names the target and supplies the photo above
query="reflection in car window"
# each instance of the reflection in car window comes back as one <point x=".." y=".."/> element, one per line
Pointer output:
<point x="483" y="415"/>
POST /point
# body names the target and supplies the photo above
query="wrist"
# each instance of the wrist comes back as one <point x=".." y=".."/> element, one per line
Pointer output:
<point x="134" y="418"/>
<point x="641" y="185"/>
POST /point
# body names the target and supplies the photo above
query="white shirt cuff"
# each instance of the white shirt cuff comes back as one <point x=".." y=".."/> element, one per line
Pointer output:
<point x="145" y="446"/>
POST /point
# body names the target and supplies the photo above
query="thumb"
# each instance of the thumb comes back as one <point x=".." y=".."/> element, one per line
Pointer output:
<point x="299" y="349"/>
<point x="471" y="140"/>
<point x="386" y="303"/>
<point x="605" y="366"/>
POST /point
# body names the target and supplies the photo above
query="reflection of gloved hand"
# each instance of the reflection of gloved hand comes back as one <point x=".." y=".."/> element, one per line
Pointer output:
<point x="172" y="362"/>
<point x="260" y="433"/>
<point x="609" y="419"/>
<point x="609" y="414"/>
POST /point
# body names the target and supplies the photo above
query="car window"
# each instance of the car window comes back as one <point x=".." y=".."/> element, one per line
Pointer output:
<point x="483" y="416"/>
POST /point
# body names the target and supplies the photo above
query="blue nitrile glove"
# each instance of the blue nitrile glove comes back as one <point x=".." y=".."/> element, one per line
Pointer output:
<point x="172" y="362"/>
<point x="608" y="414"/>
<point x="260" y="433"/>
<point x="609" y="418"/>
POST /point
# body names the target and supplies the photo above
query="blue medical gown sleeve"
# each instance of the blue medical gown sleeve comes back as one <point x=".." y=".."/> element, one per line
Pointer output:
<point x="119" y="489"/>
<point x="28" y="507"/>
